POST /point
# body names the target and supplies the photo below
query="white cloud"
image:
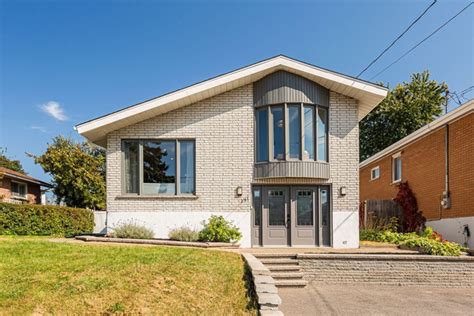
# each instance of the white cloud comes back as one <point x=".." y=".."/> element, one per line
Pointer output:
<point x="54" y="109"/>
<point x="39" y="128"/>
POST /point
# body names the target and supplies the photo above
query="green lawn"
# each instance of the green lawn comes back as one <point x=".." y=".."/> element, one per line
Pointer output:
<point x="42" y="277"/>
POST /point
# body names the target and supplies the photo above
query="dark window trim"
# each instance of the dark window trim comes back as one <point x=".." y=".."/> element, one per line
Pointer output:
<point x="140" y="164"/>
<point x="17" y="194"/>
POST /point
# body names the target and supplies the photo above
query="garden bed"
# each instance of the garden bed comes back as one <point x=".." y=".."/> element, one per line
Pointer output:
<point x="159" y="242"/>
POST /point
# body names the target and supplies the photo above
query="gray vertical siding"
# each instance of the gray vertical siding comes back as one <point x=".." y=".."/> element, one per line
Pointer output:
<point x="292" y="169"/>
<point x="285" y="87"/>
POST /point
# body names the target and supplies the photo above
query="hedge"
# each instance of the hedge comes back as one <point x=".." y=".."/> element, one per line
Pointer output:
<point x="44" y="220"/>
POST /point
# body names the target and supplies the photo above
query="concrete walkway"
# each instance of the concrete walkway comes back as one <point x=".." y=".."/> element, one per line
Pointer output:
<point x="320" y="299"/>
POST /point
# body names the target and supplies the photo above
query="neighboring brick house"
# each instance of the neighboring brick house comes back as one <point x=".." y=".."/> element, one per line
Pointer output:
<point x="442" y="180"/>
<point x="17" y="187"/>
<point x="272" y="146"/>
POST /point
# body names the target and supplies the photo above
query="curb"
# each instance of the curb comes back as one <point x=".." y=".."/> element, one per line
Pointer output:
<point x="264" y="285"/>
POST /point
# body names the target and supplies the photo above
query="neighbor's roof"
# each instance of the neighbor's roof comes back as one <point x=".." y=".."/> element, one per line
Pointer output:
<point x="448" y="118"/>
<point x="368" y="94"/>
<point x="21" y="176"/>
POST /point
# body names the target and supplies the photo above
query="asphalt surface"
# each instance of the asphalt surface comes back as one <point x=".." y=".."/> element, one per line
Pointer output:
<point x="319" y="299"/>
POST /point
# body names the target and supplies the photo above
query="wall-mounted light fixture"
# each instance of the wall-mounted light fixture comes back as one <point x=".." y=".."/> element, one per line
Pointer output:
<point x="238" y="191"/>
<point x="343" y="191"/>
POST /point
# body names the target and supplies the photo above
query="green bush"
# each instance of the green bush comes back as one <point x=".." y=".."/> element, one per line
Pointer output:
<point x="184" y="234"/>
<point x="219" y="229"/>
<point x="133" y="231"/>
<point x="428" y="241"/>
<point x="44" y="220"/>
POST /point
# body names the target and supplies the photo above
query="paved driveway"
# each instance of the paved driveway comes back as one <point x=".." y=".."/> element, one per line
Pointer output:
<point x="367" y="299"/>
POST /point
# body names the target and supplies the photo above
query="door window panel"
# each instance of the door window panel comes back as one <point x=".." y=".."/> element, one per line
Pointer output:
<point x="276" y="208"/>
<point x="324" y="198"/>
<point x="304" y="208"/>
<point x="257" y="206"/>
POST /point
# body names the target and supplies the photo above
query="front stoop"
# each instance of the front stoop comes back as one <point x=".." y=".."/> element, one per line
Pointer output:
<point x="284" y="268"/>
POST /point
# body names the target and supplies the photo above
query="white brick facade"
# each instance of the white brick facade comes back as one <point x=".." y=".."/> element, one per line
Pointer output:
<point x="223" y="127"/>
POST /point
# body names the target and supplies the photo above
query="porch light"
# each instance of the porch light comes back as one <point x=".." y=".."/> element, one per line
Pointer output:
<point x="238" y="191"/>
<point x="343" y="191"/>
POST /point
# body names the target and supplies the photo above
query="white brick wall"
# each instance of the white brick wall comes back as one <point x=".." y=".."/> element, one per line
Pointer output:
<point x="224" y="133"/>
<point x="223" y="129"/>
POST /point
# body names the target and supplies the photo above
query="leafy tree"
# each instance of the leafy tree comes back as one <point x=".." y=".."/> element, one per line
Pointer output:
<point x="11" y="164"/>
<point x="406" y="108"/>
<point x="78" y="172"/>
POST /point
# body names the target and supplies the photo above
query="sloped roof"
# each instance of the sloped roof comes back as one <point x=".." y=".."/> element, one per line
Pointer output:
<point x="22" y="176"/>
<point x="459" y="112"/>
<point x="368" y="94"/>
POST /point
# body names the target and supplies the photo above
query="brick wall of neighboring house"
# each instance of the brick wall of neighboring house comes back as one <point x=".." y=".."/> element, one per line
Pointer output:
<point x="423" y="166"/>
<point x="33" y="195"/>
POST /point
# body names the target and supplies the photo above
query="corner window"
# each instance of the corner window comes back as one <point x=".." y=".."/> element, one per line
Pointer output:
<point x="375" y="173"/>
<point x="397" y="168"/>
<point x="18" y="189"/>
<point x="292" y="132"/>
<point x="153" y="167"/>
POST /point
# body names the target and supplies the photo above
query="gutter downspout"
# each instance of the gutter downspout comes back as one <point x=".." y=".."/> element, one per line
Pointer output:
<point x="446" y="202"/>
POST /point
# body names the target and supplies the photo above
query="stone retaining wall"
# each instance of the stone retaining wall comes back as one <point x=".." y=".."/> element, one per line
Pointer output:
<point x="388" y="269"/>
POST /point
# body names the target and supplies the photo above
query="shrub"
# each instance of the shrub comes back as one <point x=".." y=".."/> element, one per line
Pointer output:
<point x="133" y="231"/>
<point x="184" y="234"/>
<point x="428" y="241"/>
<point x="44" y="220"/>
<point x="219" y="229"/>
<point x="412" y="219"/>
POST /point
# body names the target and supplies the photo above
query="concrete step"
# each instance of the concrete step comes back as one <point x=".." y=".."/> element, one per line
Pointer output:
<point x="287" y="275"/>
<point x="278" y="261"/>
<point x="291" y="283"/>
<point x="283" y="268"/>
<point x="275" y="255"/>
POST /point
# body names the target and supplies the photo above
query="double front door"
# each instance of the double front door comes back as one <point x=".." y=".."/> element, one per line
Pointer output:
<point x="291" y="216"/>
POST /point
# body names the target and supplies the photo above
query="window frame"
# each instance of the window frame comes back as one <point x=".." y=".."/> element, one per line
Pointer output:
<point x="394" y="165"/>
<point x="140" y="167"/>
<point x="17" y="195"/>
<point x="287" y="134"/>
<point x="372" y="175"/>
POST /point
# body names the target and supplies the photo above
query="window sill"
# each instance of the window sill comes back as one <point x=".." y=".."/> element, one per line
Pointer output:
<point x="16" y="197"/>
<point x="396" y="182"/>
<point x="157" y="197"/>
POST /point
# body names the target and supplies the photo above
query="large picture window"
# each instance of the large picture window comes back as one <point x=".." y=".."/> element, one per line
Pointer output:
<point x="156" y="167"/>
<point x="293" y="132"/>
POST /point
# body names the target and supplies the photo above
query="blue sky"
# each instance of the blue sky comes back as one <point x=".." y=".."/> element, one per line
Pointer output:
<point x="64" y="62"/>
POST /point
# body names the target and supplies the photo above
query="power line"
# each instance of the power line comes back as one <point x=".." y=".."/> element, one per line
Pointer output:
<point x="399" y="36"/>
<point x="421" y="42"/>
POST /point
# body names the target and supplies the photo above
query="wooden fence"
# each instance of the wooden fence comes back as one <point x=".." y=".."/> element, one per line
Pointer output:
<point x="378" y="210"/>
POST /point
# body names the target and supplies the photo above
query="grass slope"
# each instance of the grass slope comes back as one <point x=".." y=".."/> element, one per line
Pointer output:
<point x="38" y="276"/>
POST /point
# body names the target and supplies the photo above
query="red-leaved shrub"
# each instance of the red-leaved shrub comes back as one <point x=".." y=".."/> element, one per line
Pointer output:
<point x="412" y="220"/>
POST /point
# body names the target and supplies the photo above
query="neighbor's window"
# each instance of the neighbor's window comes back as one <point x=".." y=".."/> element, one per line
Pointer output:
<point x="18" y="189"/>
<point x="161" y="167"/>
<point x="375" y="173"/>
<point x="294" y="131"/>
<point x="397" y="168"/>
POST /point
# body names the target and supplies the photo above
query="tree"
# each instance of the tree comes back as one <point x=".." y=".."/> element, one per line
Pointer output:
<point x="78" y="171"/>
<point x="406" y="108"/>
<point x="9" y="163"/>
<point x="412" y="219"/>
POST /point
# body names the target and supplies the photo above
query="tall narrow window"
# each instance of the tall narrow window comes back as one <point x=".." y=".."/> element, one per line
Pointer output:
<point x="278" y="133"/>
<point x="322" y="135"/>
<point x="294" y="128"/>
<point x="186" y="166"/>
<point x="308" y="152"/>
<point x="397" y="168"/>
<point x="324" y="200"/>
<point x="257" y="206"/>
<point x="159" y="167"/>
<point x="262" y="134"/>
<point x="131" y="167"/>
